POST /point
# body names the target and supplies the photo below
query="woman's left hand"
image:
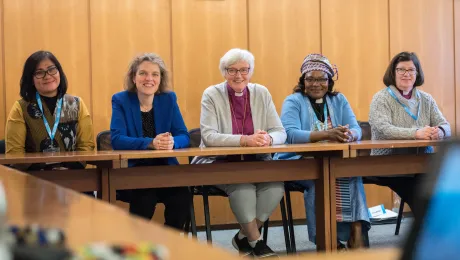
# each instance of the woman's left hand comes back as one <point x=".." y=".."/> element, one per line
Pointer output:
<point x="347" y="133"/>
<point x="436" y="133"/>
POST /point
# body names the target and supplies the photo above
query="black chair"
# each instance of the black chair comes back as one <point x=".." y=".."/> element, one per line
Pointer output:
<point x="104" y="143"/>
<point x="209" y="190"/>
<point x="367" y="135"/>
<point x="2" y="146"/>
<point x="205" y="191"/>
<point x="288" y="188"/>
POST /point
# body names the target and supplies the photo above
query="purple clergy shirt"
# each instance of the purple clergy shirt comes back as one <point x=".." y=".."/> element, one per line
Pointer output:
<point x="237" y="104"/>
<point x="408" y="96"/>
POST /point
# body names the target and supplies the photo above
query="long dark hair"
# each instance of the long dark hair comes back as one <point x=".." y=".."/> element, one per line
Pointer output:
<point x="300" y="87"/>
<point x="28" y="89"/>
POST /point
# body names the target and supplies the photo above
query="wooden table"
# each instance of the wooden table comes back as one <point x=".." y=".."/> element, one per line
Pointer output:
<point x="85" y="220"/>
<point x="356" y="166"/>
<point x="95" y="179"/>
<point x="376" y="144"/>
<point x="230" y="173"/>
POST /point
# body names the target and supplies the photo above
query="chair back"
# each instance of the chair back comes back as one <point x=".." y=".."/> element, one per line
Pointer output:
<point x="103" y="141"/>
<point x="195" y="140"/>
<point x="2" y="146"/>
<point x="366" y="135"/>
<point x="195" y="137"/>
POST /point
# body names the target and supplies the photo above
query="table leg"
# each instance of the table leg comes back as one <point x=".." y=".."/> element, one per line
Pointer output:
<point x="333" y="186"/>
<point x="104" y="185"/>
<point x="323" y="214"/>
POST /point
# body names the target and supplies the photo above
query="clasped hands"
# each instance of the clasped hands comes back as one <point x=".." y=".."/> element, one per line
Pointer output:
<point x="163" y="141"/>
<point x="429" y="133"/>
<point x="259" y="139"/>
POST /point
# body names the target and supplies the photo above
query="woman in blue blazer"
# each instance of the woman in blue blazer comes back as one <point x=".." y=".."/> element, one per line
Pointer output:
<point x="146" y="117"/>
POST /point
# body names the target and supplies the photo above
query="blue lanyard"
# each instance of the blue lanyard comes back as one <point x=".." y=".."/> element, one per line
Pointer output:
<point x="318" y="125"/>
<point x="57" y="118"/>
<point x="404" y="106"/>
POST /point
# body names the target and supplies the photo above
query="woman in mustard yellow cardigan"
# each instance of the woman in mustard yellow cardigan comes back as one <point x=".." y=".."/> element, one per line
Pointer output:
<point x="46" y="119"/>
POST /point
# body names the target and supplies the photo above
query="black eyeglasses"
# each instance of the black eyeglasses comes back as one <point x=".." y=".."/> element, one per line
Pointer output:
<point x="39" y="74"/>
<point x="321" y="81"/>
<point x="402" y="71"/>
<point x="233" y="72"/>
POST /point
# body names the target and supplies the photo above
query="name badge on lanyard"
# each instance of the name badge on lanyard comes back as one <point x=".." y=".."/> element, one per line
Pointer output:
<point x="320" y="125"/>
<point x="415" y="117"/>
<point x="52" y="145"/>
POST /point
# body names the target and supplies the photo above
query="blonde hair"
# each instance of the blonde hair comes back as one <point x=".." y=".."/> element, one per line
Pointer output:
<point x="134" y="66"/>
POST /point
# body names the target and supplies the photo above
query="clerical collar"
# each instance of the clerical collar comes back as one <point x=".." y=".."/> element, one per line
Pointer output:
<point x="316" y="101"/>
<point x="406" y="96"/>
<point x="236" y="94"/>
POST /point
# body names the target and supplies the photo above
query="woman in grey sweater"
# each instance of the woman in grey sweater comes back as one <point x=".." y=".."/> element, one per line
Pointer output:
<point x="403" y="112"/>
<point x="238" y="113"/>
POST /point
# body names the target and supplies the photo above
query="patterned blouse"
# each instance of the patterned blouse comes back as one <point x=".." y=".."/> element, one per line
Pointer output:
<point x="26" y="131"/>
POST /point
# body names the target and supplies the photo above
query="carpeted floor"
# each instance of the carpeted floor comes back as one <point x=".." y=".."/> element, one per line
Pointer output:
<point x="381" y="236"/>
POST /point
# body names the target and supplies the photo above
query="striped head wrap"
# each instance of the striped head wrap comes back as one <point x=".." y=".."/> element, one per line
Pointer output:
<point x="319" y="62"/>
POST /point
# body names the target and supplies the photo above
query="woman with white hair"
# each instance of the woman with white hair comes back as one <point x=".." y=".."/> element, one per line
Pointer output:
<point x="238" y="113"/>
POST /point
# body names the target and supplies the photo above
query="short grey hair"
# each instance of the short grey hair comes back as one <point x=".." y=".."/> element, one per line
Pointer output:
<point x="134" y="66"/>
<point x="236" y="55"/>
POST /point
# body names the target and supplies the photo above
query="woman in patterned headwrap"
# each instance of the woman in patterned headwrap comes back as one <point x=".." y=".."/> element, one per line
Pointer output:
<point x="316" y="113"/>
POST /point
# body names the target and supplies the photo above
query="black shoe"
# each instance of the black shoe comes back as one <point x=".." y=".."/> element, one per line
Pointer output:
<point x="261" y="250"/>
<point x="341" y="247"/>
<point x="242" y="245"/>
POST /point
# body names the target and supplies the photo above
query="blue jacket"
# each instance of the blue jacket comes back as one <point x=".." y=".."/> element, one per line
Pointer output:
<point x="297" y="116"/>
<point x="126" y="124"/>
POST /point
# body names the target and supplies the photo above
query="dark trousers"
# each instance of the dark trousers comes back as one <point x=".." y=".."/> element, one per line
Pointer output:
<point x="405" y="187"/>
<point x="177" y="202"/>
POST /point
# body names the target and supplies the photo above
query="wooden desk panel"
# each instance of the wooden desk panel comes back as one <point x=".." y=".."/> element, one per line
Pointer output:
<point x="85" y="220"/>
<point x="379" y="165"/>
<point x="212" y="174"/>
<point x="78" y="180"/>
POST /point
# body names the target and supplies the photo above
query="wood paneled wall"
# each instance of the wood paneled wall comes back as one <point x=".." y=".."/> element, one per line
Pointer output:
<point x="281" y="33"/>
<point x="96" y="39"/>
<point x="59" y="26"/>
<point x="202" y="31"/>
<point x="427" y="28"/>
<point x="3" y="111"/>
<point x="121" y="29"/>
